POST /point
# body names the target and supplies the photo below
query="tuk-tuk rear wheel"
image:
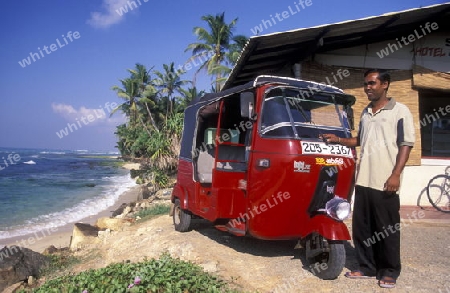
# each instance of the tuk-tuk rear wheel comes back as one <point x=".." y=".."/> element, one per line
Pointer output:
<point x="329" y="263"/>
<point x="181" y="219"/>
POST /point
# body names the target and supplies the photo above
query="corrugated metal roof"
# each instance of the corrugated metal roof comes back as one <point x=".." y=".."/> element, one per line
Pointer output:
<point x="270" y="53"/>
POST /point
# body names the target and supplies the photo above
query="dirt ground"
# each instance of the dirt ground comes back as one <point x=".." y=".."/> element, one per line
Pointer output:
<point x="253" y="265"/>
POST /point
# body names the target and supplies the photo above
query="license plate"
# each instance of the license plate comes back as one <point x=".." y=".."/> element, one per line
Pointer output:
<point x="321" y="148"/>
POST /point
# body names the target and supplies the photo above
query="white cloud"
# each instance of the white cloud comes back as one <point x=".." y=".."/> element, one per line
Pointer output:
<point x="110" y="14"/>
<point x="93" y="116"/>
<point x="63" y="108"/>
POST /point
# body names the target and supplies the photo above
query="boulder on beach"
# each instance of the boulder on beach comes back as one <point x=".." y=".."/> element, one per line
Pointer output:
<point x="119" y="210"/>
<point x="52" y="250"/>
<point x="82" y="235"/>
<point x="113" y="224"/>
<point x="145" y="192"/>
<point x="164" y="194"/>
<point x="17" y="264"/>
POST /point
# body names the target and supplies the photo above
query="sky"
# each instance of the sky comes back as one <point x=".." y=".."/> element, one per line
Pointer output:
<point x="60" y="58"/>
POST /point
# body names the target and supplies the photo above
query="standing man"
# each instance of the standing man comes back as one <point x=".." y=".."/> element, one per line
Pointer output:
<point x="386" y="136"/>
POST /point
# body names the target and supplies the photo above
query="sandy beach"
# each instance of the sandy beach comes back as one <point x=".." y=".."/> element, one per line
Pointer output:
<point x="60" y="237"/>
<point x="130" y="166"/>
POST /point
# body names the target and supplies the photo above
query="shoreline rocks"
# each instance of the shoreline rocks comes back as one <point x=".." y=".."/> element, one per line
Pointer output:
<point x="84" y="235"/>
<point x="18" y="264"/>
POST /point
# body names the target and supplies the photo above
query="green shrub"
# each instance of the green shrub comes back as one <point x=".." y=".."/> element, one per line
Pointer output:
<point x="59" y="261"/>
<point x="165" y="274"/>
<point x="156" y="210"/>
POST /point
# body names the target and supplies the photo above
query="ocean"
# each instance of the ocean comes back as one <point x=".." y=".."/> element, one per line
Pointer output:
<point x="45" y="189"/>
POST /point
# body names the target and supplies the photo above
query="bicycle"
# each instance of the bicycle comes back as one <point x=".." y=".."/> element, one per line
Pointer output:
<point x="438" y="191"/>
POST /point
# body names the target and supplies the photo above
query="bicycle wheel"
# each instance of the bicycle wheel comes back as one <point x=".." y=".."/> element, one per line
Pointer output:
<point x="438" y="192"/>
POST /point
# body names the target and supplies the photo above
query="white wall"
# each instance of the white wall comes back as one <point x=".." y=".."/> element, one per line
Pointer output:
<point x="415" y="181"/>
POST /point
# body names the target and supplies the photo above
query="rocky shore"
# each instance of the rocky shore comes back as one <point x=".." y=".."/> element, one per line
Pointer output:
<point x="22" y="257"/>
<point x="19" y="263"/>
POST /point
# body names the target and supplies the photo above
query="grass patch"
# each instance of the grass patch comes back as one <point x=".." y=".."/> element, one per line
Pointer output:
<point x="105" y="160"/>
<point x="151" y="212"/>
<point x="112" y="163"/>
<point x="59" y="262"/>
<point x="166" y="274"/>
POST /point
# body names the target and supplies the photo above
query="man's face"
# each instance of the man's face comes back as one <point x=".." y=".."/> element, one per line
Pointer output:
<point x="373" y="87"/>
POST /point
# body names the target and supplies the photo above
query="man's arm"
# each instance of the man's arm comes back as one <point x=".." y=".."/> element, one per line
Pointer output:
<point x="349" y="142"/>
<point x="346" y="141"/>
<point x="393" y="182"/>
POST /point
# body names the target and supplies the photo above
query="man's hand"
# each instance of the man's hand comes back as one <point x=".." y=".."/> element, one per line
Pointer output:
<point x="329" y="138"/>
<point x="393" y="183"/>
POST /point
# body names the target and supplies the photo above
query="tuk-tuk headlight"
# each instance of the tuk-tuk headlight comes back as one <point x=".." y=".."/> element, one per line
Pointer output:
<point x="338" y="208"/>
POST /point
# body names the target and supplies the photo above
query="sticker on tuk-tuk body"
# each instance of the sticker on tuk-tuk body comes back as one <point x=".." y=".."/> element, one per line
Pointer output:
<point x="301" y="167"/>
<point x="320" y="148"/>
<point x="329" y="161"/>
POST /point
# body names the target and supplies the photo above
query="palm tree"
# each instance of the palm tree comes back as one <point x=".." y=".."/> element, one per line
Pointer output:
<point x="123" y="144"/>
<point x="214" y="44"/>
<point x="146" y="91"/>
<point x="129" y="93"/>
<point x="188" y="95"/>
<point x="236" y="49"/>
<point x="169" y="83"/>
<point x="231" y="58"/>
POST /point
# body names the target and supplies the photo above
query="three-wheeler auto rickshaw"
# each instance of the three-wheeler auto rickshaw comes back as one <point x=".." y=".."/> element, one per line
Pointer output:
<point x="253" y="163"/>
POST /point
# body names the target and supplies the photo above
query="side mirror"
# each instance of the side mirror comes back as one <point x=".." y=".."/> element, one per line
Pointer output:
<point x="247" y="104"/>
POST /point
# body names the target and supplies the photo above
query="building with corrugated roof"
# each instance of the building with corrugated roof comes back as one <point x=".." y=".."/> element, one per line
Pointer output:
<point x="414" y="45"/>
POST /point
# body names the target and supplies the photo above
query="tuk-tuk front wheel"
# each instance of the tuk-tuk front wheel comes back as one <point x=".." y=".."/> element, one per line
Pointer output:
<point x="326" y="258"/>
<point x="181" y="219"/>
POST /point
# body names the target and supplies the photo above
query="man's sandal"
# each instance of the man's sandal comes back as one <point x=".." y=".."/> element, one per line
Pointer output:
<point x="387" y="282"/>
<point x="358" y="275"/>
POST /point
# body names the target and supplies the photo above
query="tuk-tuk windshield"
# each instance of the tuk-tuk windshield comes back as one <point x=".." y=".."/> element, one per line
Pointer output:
<point x="293" y="113"/>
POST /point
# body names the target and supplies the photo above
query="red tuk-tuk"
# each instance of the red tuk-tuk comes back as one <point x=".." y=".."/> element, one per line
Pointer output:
<point x="253" y="163"/>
